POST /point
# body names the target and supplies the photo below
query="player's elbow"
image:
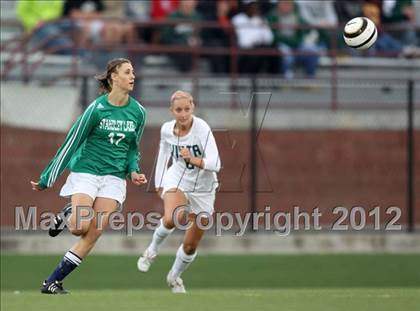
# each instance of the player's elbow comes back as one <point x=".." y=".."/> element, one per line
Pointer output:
<point x="218" y="167"/>
<point x="213" y="165"/>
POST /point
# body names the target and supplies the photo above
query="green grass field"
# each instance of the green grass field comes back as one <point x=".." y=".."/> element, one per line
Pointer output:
<point x="310" y="282"/>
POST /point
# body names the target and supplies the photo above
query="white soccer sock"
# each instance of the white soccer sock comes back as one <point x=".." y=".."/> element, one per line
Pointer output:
<point x="182" y="261"/>
<point x="160" y="234"/>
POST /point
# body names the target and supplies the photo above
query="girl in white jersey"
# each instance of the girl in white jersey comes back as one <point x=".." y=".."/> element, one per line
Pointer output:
<point x="189" y="182"/>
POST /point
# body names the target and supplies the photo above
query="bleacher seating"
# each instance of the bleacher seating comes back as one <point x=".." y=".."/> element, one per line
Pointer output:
<point x="155" y="71"/>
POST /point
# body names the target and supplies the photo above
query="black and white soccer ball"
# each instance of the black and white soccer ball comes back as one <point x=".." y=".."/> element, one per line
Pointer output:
<point x="360" y="33"/>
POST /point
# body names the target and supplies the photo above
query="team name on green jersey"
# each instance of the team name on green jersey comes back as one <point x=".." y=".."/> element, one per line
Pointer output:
<point x="117" y="125"/>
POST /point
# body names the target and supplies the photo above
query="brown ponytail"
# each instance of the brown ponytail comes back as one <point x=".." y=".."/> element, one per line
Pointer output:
<point x="104" y="79"/>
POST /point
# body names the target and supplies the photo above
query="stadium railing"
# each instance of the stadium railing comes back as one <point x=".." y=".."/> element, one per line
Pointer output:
<point x="17" y="52"/>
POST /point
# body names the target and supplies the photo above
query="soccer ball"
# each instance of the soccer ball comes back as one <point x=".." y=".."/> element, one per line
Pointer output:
<point x="360" y="33"/>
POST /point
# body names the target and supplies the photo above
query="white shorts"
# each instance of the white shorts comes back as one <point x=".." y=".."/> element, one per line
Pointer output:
<point x="197" y="202"/>
<point x="107" y="186"/>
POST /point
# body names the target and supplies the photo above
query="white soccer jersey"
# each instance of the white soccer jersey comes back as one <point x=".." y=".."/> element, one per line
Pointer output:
<point x="182" y="175"/>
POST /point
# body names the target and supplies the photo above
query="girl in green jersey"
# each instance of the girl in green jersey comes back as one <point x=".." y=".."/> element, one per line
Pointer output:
<point x="100" y="150"/>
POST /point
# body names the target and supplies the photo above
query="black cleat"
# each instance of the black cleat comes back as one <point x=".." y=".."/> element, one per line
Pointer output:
<point x="56" y="226"/>
<point x="53" y="288"/>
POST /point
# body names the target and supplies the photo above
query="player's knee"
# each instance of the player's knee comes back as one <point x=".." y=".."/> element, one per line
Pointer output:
<point x="76" y="232"/>
<point x="168" y="222"/>
<point x="204" y="221"/>
<point x="79" y="230"/>
<point x="189" y="248"/>
<point x="77" y="224"/>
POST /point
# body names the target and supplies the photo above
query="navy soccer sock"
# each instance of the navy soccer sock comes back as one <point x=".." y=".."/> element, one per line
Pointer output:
<point x="69" y="262"/>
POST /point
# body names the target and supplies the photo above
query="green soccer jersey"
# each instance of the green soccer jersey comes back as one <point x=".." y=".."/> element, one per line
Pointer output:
<point x="103" y="141"/>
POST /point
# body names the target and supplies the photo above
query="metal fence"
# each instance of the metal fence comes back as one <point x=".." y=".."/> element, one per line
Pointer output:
<point x="339" y="71"/>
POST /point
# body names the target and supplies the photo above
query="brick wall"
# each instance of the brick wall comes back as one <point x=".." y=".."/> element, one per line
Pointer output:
<point x="305" y="168"/>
